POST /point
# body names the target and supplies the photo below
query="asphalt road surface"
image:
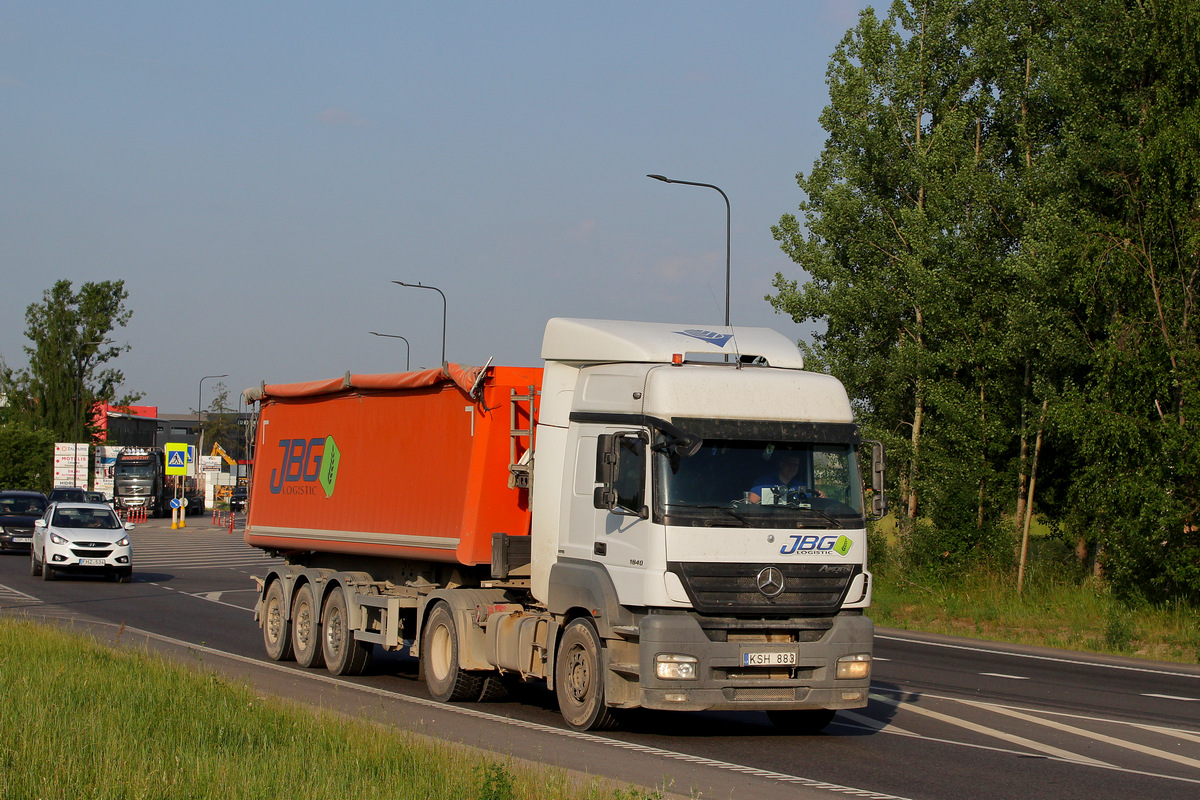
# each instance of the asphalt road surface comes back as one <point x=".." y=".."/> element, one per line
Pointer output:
<point x="948" y="718"/>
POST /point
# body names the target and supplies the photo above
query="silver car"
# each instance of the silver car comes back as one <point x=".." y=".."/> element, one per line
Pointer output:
<point x="81" y="538"/>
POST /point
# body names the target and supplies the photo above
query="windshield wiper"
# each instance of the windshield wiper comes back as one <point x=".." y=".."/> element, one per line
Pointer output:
<point x="831" y="519"/>
<point x="726" y="509"/>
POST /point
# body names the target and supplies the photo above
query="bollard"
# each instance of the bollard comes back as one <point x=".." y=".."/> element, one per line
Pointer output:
<point x="231" y="515"/>
<point x="214" y="520"/>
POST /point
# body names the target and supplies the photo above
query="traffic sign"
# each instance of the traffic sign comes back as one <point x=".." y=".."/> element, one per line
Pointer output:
<point x="176" y="459"/>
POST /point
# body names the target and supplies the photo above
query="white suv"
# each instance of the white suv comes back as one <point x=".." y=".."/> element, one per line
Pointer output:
<point x="81" y="537"/>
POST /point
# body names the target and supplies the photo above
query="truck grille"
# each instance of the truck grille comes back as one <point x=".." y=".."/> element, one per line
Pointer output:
<point x="734" y="588"/>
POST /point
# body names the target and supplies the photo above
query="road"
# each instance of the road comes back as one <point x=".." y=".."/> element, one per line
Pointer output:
<point x="948" y="718"/>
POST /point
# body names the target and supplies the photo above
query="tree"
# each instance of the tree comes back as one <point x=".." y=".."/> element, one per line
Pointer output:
<point x="219" y="425"/>
<point x="66" y="375"/>
<point x="906" y="237"/>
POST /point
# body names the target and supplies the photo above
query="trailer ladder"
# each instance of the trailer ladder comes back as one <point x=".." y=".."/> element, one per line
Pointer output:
<point x="520" y="469"/>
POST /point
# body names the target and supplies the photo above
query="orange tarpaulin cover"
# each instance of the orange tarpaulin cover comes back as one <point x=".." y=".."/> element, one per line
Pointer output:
<point x="463" y="376"/>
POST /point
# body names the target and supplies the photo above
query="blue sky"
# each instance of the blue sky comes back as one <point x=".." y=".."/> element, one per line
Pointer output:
<point x="259" y="173"/>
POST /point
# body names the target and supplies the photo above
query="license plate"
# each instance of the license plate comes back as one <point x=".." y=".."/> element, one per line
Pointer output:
<point x="91" y="562"/>
<point x="22" y="539"/>
<point x="769" y="659"/>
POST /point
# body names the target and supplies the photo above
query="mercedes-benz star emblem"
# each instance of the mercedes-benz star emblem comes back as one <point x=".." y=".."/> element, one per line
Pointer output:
<point x="770" y="582"/>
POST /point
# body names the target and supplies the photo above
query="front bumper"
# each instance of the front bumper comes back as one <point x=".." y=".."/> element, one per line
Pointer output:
<point x="85" y="557"/>
<point x="723" y="681"/>
<point x="15" y="538"/>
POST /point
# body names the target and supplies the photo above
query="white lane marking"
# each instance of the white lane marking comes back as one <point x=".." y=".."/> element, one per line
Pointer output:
<point x="8" y="590"/>
<point x="1002" y="675"/>
<point x="873" y="724"/>
<point x="1173" y="697"/>
<point x="1087" y="734"/>
<point x="1036" y="747"/>
<point x="1034" y="657"/>
<point x="212" y="597"/>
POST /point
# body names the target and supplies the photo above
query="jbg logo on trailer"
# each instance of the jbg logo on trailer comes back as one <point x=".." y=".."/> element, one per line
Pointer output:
<point x="306" y="461"/>
<point x="814" y="543"/>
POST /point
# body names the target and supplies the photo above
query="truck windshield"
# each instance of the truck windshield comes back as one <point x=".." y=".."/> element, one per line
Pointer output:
<point x="760" y="484"/>
<point x="134" y="470"/>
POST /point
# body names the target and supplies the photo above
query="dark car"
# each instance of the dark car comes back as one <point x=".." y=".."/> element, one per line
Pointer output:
<point x="237" y="500"/>
<point x="67" y="494"/>
<point x="18" y="510"/>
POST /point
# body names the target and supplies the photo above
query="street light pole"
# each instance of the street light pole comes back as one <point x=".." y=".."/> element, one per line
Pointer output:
<point x="420" y="285"/>
<point x="727" y="231"/>
<point x="200" y="430"/>
<point x="407" y="347"/>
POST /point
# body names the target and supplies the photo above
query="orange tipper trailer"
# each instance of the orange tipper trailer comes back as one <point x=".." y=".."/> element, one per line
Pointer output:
<point x="664" y="516"/>
<point x="410" y="465"/>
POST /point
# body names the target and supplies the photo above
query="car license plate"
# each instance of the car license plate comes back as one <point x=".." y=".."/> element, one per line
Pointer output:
<point x="769" y="659"/>
<point x="91" y="562"/>
<point x="22" y="539"/>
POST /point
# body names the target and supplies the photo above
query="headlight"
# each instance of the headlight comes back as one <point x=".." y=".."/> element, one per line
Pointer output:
<point x="54" y="537"/>
<point x="124" y="542"/>
<point x="855" y="667"/>
<point x="674" y="667"/>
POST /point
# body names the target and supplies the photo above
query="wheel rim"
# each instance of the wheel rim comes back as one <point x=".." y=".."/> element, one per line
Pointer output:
<point x="304" y="625"/>
<point x="334" y="631"/>
<point x="274" y="619"/>
<point x="440" y="653"/>
<point x="579" y="675"/>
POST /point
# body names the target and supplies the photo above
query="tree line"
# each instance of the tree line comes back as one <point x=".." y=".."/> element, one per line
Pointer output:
<point x="1002" y="242"/>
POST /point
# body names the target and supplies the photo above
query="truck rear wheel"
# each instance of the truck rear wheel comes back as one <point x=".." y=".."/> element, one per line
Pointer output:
<point x="343" y="654"/>
<point x="277" y="628"/>
<point x="447" y="682"/>
<point x="306" y="630"/>
<point x="802" y="722"/>
<point x="579" y="679"/>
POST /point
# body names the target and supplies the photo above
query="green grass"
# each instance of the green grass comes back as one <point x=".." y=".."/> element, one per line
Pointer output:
<point x="82" y="720"/>
<point x="983" y="603"/>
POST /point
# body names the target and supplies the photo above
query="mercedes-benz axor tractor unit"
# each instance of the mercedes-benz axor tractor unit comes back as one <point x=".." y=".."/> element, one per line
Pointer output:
<point x="663" y="516"/>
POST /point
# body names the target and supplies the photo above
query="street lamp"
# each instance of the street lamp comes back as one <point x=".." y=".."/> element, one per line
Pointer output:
<point x="200" y="430"/>
<point x="419" y="285"/>
<point x="710" y="186"/>
<point x="407" y="347"/>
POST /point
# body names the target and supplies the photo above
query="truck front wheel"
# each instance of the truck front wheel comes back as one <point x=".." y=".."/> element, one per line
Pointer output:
<point x="579" y="679"/>
<point x="306" y="630"/>
<point x="447" y="681"/>
<point x="343" y="654"/>
<point x="277" y="628"/>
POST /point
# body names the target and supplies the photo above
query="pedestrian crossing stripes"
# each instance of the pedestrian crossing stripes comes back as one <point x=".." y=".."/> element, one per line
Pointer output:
<point x="195" y="547"/>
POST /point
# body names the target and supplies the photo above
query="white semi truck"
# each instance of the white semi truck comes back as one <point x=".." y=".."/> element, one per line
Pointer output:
<point x="664" y="516"/>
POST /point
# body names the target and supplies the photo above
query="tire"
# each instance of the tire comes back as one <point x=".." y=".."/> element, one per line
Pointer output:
<point x="447" y="682"/>
<point x="579" y="678"/>
<point x="801" y="723"/>
<point x="35" y="566"/>
<point x="343" y="654"/>
<point x="124" y="575"/>
<point x="306" y="629"/>
<point x="47" y="570"/>
<point x="276" y="625"/>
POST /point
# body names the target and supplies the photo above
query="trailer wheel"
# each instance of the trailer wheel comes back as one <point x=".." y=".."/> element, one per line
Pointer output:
<point x="343" y="654"/>
<point x="802" y="722"/>
<point x="306" y="629"/>
<point x="277" y="628"/>
<point x="578" y="679"/>
<point x="447" y="682"/>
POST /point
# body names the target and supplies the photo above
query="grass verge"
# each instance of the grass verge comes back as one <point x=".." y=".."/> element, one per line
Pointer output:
<point x="83" y="720"/>
<point x="1076" y="615"/>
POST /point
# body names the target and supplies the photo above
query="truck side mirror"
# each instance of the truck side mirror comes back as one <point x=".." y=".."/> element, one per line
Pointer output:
<point x="621" y="472"/>
<point x="878" y="492"/>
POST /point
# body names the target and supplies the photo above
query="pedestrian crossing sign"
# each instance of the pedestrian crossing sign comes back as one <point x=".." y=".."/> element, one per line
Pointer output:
<point x="177" y="459"/>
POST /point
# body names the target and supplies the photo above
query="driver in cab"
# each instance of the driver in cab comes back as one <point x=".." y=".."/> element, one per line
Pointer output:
<point x="784" y="475"/>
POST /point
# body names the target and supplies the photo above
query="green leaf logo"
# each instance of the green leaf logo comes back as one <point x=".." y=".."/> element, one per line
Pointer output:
<point x="842" y="545"/>
<point x="329" y="466"/>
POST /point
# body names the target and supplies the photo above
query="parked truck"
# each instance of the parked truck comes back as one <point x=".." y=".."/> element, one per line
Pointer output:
<point x="663" y="516"/>
<point x="140" y="482"/>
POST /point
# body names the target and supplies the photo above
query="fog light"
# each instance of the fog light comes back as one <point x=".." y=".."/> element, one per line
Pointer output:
<point x="852" y="696"/>
<point x="674" y="667"/>
<point x="675" y="698"/>
<point x="855" y="667"/>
